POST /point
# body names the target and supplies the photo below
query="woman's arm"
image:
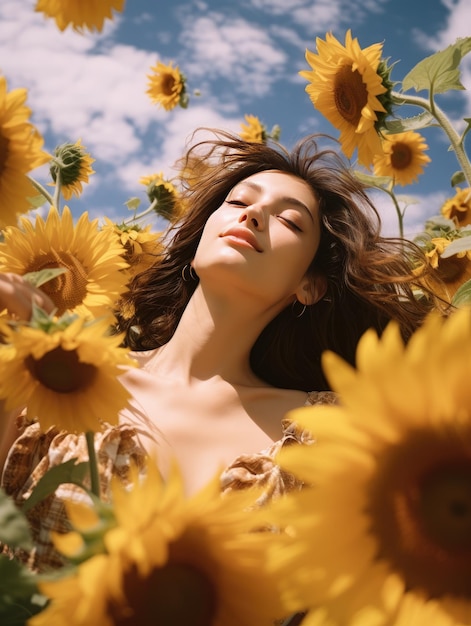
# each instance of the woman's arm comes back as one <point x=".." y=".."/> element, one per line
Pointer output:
<point x="17" y="296"/>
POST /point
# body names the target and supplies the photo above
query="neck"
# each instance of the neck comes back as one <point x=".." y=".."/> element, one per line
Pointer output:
<point x="214" y="338"/>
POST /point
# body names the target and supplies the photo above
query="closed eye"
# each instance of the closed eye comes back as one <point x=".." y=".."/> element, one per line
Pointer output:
<point x="236" y="202"/>
<point x="290" y="223"/>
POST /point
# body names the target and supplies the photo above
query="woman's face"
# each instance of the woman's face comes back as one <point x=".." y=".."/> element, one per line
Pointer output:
<point x="262" y="239"/>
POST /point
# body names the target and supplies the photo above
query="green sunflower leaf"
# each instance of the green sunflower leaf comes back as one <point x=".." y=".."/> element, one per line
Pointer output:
<point x="439" y="72"/>
<point x="19" y="596"/>
<point x="458" y="178"/>
<point x="462" y="244"/>
<point x="36" y="279"/>
<point x="36" y="201"/>
<point x="68" y="472"/>
<point x="14" y="527"/>
<point x="467" y="129"/>
<point x="462" y="296"/>
<point x="133" y="203"/>
<point x="405" y="124"/>
<point x="372" y="181"/>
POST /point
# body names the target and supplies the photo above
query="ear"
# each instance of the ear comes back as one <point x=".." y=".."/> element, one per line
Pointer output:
<point x="311" y="289"/>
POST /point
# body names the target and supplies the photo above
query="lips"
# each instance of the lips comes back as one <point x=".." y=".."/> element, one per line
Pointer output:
<point x="244" y="235"/>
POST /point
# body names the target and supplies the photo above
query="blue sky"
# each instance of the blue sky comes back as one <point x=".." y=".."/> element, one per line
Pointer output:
<point x="244" y="57"/>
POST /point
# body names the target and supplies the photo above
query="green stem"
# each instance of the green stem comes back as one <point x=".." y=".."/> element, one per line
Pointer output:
<point x="57" y="190"/>
<point x="446" y="125"/>
<point x="400" y="215"/>
<point x="149" y="209"/>
<point x="92" y="460"/>
<point x="41" y="189"/>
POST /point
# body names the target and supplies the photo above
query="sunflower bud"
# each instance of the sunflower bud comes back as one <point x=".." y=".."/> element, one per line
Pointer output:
<point x="71" y="165"/>
<point x="163" y="195"/>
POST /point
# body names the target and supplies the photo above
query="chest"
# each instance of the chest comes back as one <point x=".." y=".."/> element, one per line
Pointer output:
<point x="203" y="428"/>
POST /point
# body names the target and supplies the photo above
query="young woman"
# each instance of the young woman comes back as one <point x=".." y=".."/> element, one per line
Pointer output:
<point x="278" y="258"/>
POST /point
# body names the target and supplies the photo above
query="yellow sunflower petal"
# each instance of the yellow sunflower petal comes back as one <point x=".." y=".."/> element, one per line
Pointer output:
<point x="80" y="14"/>
<point x="93" y="258"/>
<point x="20" y="152"/>
<point x="166" y="85"/>
<point x="66" y="378"/>
<point x="381" y="532"/>
<point x="403" y="157"/>
<point x="345" y="86"/>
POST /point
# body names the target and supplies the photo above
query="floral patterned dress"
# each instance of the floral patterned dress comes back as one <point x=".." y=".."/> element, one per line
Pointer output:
<point x="35" y="452"/>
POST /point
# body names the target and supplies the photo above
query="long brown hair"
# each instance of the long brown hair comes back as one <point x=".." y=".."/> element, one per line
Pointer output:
<point x="369" y="277"/>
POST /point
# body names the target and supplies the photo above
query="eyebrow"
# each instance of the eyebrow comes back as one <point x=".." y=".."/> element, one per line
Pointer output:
<point x="287" y="199"/>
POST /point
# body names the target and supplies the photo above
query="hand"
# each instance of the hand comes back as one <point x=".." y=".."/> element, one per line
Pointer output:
<point x="17" y="296"/>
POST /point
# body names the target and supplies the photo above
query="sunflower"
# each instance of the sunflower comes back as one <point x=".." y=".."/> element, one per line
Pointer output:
<point x="167" y="86"/>
<point x="452" y="270"/>
<point x="168" y="560"/>
<point x="64" y="371"/>
<point x="72" y="166"/>
<point x="458" y="208"/>
<point x="254" y="130"/>
<point x="164" y="195"/>
<point x="80" y="14"/>
<point x="385" y="524"/>
<point x="351" y="87"/>
<point x="20" y="152"/>
<point x="93" y="259"/>
<point x="403" y="157"/>
<point x="141" y="246"/>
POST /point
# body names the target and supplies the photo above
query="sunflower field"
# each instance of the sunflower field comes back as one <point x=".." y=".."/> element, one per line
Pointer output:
<point x="382" y="534"/>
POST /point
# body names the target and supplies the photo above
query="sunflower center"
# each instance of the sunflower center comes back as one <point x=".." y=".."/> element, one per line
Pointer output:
<point x="61" y="371"/>
<point x="420" y="509"/>
<point x="168" y="84"/>
<point x="401" y="156"/>
<point x="175" y="595"/>
<point x="445" y="506"/>
<point x="3" y="152"/>
<point x="452" y="268"/>
<point x="67" y="290"/>
<point x="350" y="94"/>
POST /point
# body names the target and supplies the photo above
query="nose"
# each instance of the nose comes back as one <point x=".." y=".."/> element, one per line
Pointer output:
<point x="253" y="215"/>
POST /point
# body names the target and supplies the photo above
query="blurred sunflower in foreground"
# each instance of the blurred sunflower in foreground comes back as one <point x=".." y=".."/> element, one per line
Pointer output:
<point x="167" y="86"/>
<point x="383" y="535"/>
<point x="92" y="257"/>
<point x="80" y="14"/>
<point x="168" y="560"/>
<point x="20" y="152"/>
<point x="403" y="157"/>
<point x="70" y="167"/>
<point x="64" y="370"/>
<point x="350" y="86"/>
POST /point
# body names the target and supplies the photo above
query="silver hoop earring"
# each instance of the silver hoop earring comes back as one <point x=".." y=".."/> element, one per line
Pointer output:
<point x="188" y="273"/>
<point x="301" y="312"/>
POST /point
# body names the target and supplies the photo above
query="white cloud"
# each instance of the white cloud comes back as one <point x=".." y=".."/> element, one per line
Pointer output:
<point x="221" y="47"/>
<point x="418" y="208"/>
